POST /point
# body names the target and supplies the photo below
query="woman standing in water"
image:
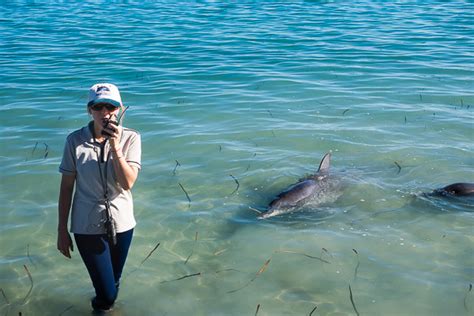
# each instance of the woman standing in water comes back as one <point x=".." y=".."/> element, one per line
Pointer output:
<point x="101" y="161"/>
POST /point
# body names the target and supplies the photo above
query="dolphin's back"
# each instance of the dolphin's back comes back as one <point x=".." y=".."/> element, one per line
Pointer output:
<point x="295" y="195"/>
<point x="301" y="192"/>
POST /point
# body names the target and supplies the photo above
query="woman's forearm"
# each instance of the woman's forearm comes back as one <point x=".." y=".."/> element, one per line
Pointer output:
<point x="65" y="201"/>
<point x="125" y="173"/>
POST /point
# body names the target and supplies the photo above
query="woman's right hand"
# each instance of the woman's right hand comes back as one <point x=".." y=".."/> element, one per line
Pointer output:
<point x="65" y="243"/>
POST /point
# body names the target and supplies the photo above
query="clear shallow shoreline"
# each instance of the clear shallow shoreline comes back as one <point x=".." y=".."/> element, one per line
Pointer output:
<point x="260" y="92"/>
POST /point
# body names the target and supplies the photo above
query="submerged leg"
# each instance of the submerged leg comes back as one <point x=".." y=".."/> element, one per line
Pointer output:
<point x="104" y="264"/>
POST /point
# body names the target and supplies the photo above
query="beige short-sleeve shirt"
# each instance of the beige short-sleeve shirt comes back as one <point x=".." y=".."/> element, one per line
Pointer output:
<point x="82" y="155"/>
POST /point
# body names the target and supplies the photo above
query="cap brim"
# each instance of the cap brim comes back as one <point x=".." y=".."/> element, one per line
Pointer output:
<point x="104" y="100"/>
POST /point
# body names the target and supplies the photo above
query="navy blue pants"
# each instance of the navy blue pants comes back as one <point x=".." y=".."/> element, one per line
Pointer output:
<point x="104" y="262"/>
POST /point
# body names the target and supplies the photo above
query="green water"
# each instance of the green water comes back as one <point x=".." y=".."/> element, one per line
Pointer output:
<point x="247" y="98"/>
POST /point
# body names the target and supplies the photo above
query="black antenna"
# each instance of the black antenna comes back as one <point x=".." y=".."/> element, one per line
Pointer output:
<point x="119" y="120"/>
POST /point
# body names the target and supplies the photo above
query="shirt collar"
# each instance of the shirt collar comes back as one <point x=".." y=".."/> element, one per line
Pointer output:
<point x="89" y="130"/>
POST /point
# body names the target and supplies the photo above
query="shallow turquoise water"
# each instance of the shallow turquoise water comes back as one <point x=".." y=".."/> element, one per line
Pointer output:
<point x="256" y="91"/>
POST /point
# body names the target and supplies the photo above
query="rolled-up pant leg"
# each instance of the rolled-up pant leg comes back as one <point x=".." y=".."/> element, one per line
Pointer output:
<point x="104" y="262"/>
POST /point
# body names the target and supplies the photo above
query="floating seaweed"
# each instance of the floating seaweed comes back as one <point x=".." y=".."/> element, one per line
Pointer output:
<point x="187" y="195"/>
<point x="4" y="296"/>
<point x="345" y="111"/>
<point x="262" y="269"/>
<point x="352" y="300"/>
<point x="183" y="277"/>
<point x="358" y="263"/>
<point x="46" y="152"/>
<point x="324" y="250"/>
<point x="303" y="254"/>
<point x="66" y="310"/>
<point x="176" y="167"/>
<point x="28" y="254"/>
<point x="149" y="255"/>
<point x="226" y="270"/>
<point x="313" y="310"/>
<point x="31" y="284"/>
<point x="34" y="149"/>
<point x="258" y="308"/>
<point x="143" y="261"/>
<point x="217" y="253"/>
<point x="237" y="182"/>
<point x="465" y="297"/>
<point x="192" y="251"/>
<point x="398" y="166"/>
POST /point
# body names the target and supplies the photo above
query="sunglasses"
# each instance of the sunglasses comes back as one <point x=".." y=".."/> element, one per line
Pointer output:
<point x="100" y="106"/>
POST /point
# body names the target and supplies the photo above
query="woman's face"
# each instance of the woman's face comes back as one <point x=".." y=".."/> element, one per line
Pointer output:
<point x="102" y="112"/>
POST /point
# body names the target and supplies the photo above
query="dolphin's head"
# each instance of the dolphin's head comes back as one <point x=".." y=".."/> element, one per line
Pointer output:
<point x="271" y="213"/>
<point x="455" y="189"/>
<point x="276" y="208"/>
<point x="264" y="215"/>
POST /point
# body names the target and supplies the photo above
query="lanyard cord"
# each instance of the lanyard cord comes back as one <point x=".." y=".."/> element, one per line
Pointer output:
<point x="109" y="225"/>
<point x="103" y="180"/>
<point x="103" y="176"/>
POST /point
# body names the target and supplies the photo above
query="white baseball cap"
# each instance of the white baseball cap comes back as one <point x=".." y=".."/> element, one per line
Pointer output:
<point x="104" y="93"/>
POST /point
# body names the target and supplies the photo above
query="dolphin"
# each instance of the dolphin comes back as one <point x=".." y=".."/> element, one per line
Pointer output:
<point x="455" y="189"/>
<point x="318" y="188"/>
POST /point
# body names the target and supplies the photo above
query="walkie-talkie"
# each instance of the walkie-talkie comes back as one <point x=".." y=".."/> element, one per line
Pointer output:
<point x="111" y="120"/>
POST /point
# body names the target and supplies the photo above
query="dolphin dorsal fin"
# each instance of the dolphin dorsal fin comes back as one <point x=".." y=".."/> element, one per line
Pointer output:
<point x="325" y="163"/>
